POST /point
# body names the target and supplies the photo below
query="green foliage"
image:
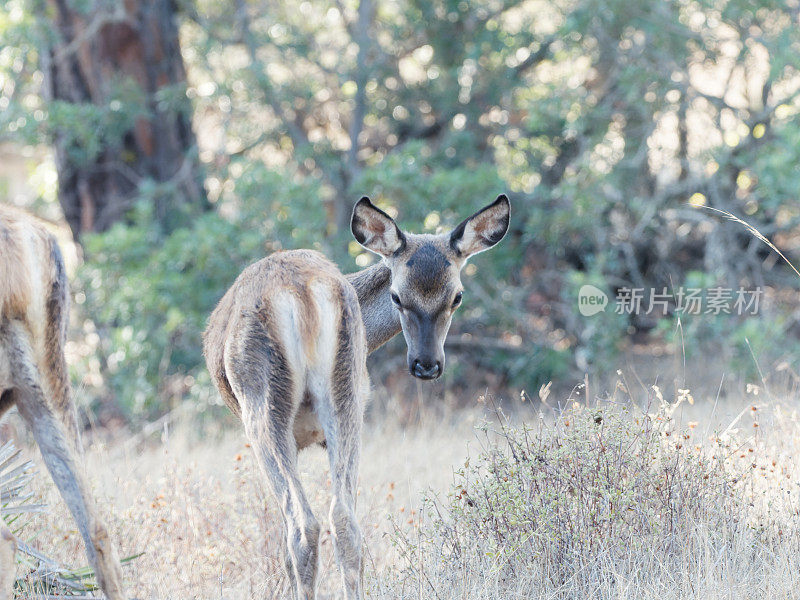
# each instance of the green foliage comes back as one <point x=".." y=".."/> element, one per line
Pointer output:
<point x="87" y="129"/>
<point x="744" y="342"/>
<point x="600" y="335"/>
<point x="603" y="119"/>
<point x="16" y="476"/>
<point x="417" y="181"/>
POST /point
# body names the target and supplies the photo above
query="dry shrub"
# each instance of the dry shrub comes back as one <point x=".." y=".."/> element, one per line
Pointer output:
<point x="610" y="501"/>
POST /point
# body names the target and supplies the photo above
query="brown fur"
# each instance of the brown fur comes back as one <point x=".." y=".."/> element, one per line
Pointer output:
<point x="33" y="290"/>
<point x="15" y="289"/>
<point x="249" y="292"/>
<point x="34" y="309"/>
<point x="261" y="352"/>
<point x="287" y="349"/>
<point x="417" y="286"/>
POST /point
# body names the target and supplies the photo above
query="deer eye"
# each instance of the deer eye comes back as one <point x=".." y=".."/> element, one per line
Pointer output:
<point x="457" y="299"/>
<point x="396" y="300"/>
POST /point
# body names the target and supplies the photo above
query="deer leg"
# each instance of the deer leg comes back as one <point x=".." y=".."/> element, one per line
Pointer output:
<point x="58" y="454"/>
<point x="59" y="457"/>
<point x="276" y="453"/>
<point x="55" y="340"/>
<point x="8" y="547"/>
<point x="288" y="565"/>
<point x="344" y="525"/>
<point x="268" y="393"/>
<point x="341" y="422"/>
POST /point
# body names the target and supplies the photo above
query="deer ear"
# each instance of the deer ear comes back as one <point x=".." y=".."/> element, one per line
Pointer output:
<point x="483" y="229"/>
<point x="375" y="230"/>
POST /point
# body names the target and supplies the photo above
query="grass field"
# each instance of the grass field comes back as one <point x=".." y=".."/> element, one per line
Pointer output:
<point x="630" y="497"/>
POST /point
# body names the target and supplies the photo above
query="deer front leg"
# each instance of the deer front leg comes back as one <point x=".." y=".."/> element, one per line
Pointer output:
<point x="8" y="548"/>
<point x="276" y="454"/>
<point x="59" y="458"/>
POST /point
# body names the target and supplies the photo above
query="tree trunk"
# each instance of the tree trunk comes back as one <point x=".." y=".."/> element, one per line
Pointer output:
<point x="344" y="203"/>
<point x="122" y="62"/>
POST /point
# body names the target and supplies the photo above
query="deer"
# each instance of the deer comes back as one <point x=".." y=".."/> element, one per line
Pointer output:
<point x="34" y="313"/>
<point x="287" y="345"/>
<point x="8" y="548"/>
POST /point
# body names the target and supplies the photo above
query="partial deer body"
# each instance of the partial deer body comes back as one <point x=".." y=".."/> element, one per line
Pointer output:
<point x="287" y="347"/>
<point x="34" y="308"/>
<point x="8" y="547"/>
<point x="287" y="350"/>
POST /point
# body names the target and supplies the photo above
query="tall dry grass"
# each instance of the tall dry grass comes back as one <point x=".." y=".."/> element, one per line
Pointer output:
<point x="627" y="498"/>
<point x="616" y="501"/>
<point x="196" y="504"/>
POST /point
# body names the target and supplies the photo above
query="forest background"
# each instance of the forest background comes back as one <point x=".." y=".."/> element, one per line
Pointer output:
<point x="181" y="140"/>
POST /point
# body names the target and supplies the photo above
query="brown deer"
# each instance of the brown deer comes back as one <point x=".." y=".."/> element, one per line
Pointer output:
<point x="287" y="347"/>
<point x="34" y="308"/>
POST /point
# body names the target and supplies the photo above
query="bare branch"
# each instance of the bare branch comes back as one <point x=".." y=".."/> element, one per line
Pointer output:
<point x="296" y="133"/>
<point x="535" y="57"/>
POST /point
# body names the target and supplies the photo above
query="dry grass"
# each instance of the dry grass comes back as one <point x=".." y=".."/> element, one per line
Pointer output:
<point x="195" y="504"/>
<point x="618" y="501"/>
<point x="198" y="509"/>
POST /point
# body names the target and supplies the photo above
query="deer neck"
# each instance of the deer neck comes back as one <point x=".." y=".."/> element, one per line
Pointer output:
<point x="380" y="317"/>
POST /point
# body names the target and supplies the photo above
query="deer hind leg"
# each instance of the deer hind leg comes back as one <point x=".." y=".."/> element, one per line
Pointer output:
<point x="59" y="457"/>
<point x="8" y="547"/>
<point x="340" y="411"/>
<point x="344" y="455"/>
<point x="57" y="307"/>
<point x="343" y="433"/>
<point x="276" y="454"/>
<point x="269" y="397"/>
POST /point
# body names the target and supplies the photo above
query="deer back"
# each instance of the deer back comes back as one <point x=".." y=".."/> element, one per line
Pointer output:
<point x="34" y="292"/>
<point x="293" y="301"/>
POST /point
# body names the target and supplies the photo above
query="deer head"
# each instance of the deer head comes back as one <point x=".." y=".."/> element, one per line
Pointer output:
<point x="426" y="273"/>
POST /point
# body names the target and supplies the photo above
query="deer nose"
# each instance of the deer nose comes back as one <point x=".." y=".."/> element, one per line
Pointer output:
<point x="426" y="370"/>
